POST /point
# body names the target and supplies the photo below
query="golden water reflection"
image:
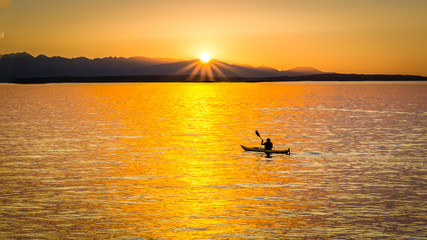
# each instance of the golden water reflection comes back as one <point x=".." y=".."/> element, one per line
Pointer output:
<point x="162" y="161"/>
<point x="200" y="191"/>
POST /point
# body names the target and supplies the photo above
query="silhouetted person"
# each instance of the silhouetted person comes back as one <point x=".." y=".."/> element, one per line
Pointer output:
<point x="267" y="145"/>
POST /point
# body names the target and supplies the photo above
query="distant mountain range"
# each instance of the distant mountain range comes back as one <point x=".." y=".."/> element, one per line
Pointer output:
<point x="24" y="65"/>
<point x="24" y="68"/>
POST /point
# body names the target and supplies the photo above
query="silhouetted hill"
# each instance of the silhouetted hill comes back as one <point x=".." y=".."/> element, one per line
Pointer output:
<point x="24" y="68"/>
<point x="301" y="71"/>
<point x="24" y="65"/>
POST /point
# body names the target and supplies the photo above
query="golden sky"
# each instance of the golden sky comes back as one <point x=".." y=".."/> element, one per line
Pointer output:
<point x="348" y="36"/>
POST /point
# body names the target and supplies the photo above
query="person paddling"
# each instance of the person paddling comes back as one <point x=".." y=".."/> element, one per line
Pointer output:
<point x="267" y="145"/>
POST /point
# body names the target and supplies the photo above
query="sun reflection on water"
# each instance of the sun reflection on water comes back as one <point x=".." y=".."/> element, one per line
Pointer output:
<point x="188" y="186"/>
<point x="163" y="161"/>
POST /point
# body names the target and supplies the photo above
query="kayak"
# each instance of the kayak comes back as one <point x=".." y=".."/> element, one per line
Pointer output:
<point x="258" y="149"/>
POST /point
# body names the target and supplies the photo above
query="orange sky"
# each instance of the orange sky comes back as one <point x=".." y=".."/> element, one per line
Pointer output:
<point x="363" y="36"/>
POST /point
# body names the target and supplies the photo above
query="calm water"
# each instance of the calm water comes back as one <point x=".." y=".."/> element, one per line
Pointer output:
<point x="163" y="161"/>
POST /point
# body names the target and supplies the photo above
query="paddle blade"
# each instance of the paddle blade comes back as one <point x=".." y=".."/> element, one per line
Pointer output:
<point x="257" y="133"/>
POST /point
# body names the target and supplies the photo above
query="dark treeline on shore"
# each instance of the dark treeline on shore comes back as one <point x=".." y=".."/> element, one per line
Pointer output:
<point x="201" y="78"/>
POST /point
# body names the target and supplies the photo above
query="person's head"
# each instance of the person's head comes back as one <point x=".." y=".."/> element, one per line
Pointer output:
<point x="268" y="139"/>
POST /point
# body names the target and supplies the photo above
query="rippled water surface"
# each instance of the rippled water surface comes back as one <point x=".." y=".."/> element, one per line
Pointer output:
<point x="163" y="161"/>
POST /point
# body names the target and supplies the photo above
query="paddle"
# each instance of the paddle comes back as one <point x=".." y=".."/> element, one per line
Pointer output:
<point x="257" y="133"/>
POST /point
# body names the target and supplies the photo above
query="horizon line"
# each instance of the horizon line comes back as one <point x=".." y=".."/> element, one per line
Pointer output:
<point x="213" y="59"/>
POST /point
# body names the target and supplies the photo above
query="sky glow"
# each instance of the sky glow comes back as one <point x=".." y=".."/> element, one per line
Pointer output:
<point x="375" y="36"/>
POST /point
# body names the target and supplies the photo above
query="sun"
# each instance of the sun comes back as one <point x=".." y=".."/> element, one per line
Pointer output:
<point x="205" y="57"/>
